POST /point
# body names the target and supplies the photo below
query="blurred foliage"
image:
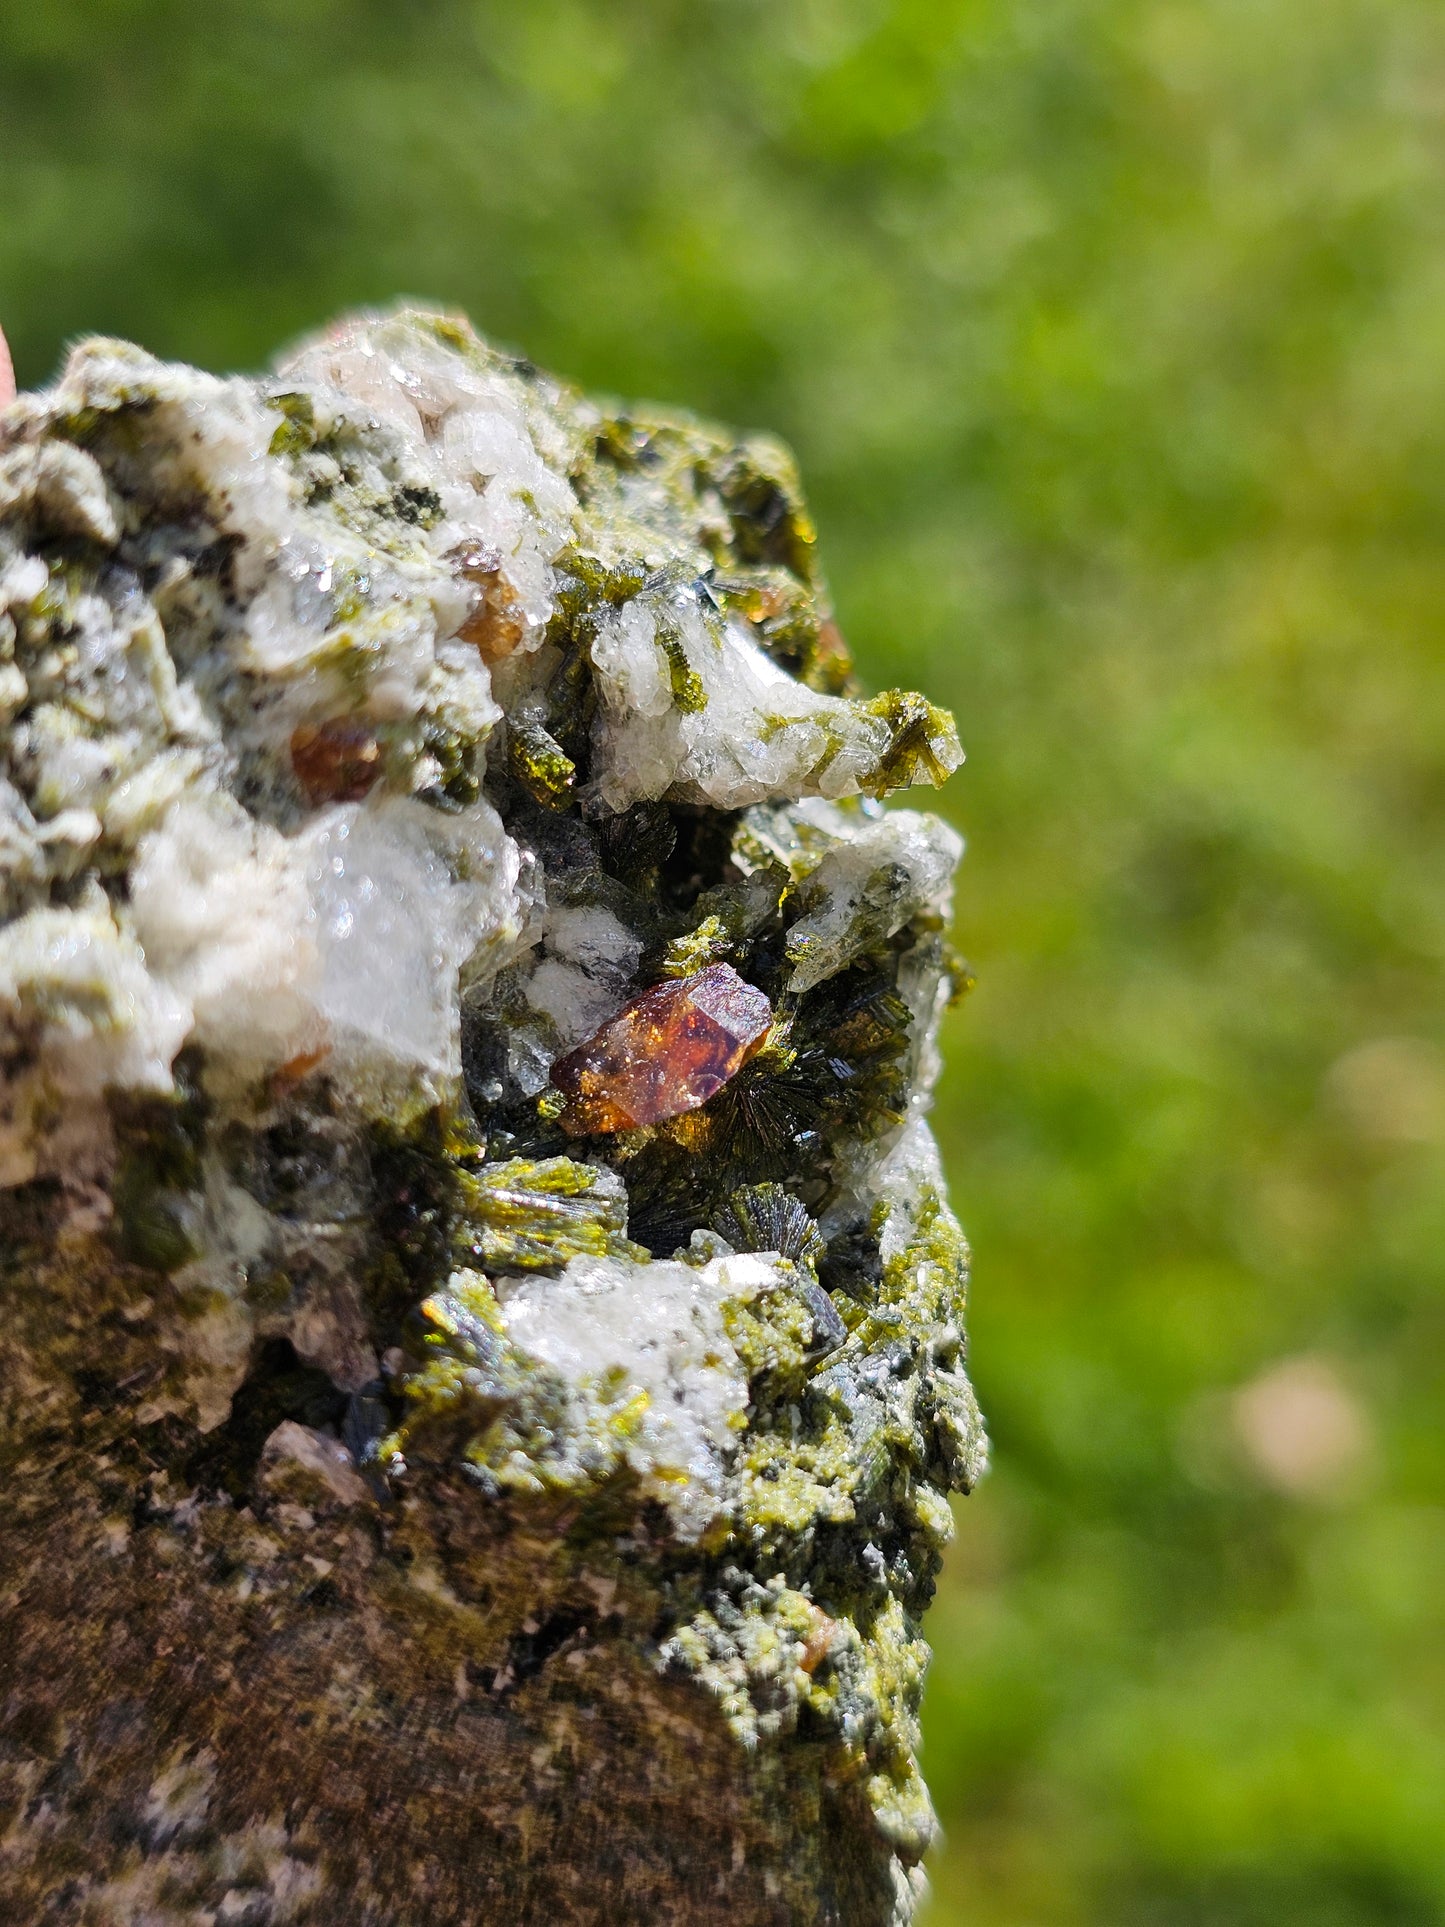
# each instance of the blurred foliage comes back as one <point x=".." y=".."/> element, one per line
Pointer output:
<point x="1111" y="335"/>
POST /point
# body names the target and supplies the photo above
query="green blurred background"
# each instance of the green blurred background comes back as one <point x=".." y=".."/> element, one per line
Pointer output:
<point x="1111" y="334"/>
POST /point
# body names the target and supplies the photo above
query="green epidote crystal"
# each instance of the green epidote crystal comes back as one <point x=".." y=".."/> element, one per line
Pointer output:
<point x="413" y="1510"/>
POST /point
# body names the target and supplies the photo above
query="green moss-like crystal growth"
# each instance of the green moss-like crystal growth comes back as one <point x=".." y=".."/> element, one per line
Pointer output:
<point x="419" y="1507"/>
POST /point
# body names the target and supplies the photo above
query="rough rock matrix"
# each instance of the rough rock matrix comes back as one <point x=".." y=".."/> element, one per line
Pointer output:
<point x="481" y="1369"/>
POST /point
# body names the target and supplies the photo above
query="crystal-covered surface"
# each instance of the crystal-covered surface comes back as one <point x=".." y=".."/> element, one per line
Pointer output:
<point x="477" y="1269"/>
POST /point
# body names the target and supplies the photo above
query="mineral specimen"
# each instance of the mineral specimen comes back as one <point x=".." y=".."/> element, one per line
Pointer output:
<point x="482" y="1355"/>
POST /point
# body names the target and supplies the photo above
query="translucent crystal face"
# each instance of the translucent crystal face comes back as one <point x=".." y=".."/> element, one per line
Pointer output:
<point x="665" y="1053"/>
<point x="335" y="762"/>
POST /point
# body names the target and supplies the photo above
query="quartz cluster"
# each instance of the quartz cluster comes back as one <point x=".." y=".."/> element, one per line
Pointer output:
<point x="482" y="1361"/>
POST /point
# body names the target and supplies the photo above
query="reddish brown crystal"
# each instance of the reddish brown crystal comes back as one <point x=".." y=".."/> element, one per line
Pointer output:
<point x="336" y="761"/>
<point x="666" y="1052"/>
<point x="833" y="659"/>
<point x="819" y="1641"/>
<point x="286" y="1077"/>
<point x="496" y="624"/>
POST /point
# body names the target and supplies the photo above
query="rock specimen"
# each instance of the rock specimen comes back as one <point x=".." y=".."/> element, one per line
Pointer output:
<point x="482" y="1357"/>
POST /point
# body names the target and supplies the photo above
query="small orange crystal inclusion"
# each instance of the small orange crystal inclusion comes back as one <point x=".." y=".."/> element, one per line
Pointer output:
<point x="666" y="1052"/>
<point x="335" y="762"/>
<point x="496" y="623"/>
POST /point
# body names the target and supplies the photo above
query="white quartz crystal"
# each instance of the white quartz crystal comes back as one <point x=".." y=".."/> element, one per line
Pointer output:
<point x="659" y="1329"/>
<point x="403" y="896"/>
<point x="693" y="708"/>
<point x="874" y="877"/>
<point x="490" y="451"/>
<point x="221" y="908"/>
<point x="583" y="971"/>
<point x="78" y="1011"/>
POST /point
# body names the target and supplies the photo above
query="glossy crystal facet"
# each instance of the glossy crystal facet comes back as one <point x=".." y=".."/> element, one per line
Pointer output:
<point x="666" y="1052"/>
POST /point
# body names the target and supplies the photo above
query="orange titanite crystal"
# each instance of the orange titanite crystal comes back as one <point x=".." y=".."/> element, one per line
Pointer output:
<point x="335" y="762"/>
<point x="666" y="1052"/>
<point x="496" y="624"/>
